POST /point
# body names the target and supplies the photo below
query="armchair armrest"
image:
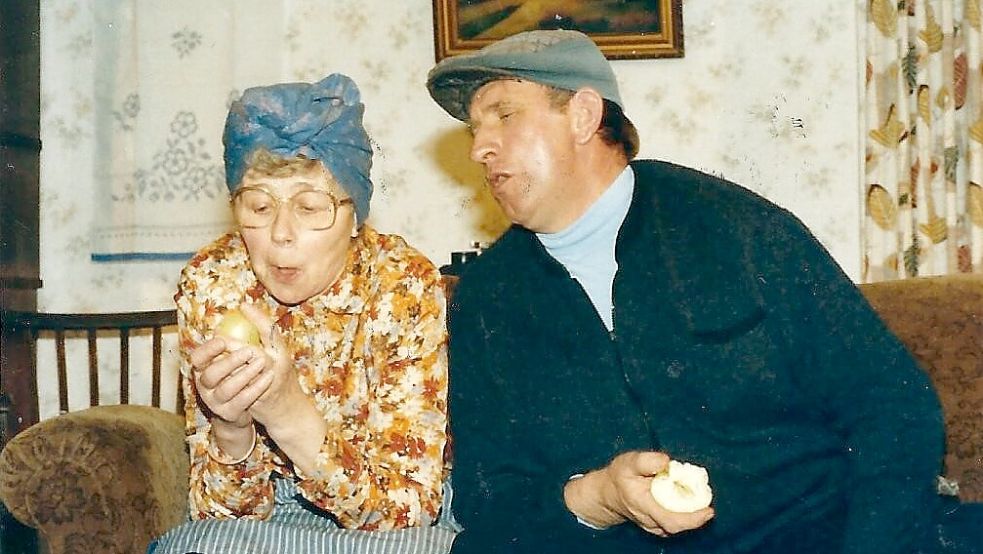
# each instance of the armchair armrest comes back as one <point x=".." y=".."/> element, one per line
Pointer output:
<point x="105" y="479"/>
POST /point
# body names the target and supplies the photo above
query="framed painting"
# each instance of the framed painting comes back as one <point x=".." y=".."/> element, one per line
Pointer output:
<point x="624" y="29"/>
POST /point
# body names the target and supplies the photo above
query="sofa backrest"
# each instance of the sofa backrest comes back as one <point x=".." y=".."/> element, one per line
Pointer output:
<point x="940" y="320"/>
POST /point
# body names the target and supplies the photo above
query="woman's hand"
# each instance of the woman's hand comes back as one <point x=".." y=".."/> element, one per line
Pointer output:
<point x="228" y="383"/>
<point x="277" y="403"/>
<point x="287" y="412"/>
<point x="229" y="378"/>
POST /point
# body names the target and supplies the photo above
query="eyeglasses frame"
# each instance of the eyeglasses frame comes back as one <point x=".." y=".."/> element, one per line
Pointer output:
<point x="280" y="201"/>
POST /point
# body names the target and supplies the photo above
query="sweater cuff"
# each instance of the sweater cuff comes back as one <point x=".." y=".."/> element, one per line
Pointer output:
<point x="581" y="520"/>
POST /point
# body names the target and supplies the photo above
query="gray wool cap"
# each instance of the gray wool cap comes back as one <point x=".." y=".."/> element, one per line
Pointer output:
<point x="567" y="60"/>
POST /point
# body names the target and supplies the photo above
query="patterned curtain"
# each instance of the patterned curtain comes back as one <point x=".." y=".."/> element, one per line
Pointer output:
<point x="146" y="86"/>
<point x="924" y="139"/>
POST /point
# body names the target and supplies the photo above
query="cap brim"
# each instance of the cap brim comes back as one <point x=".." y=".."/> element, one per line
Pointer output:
<point x="453" y="88"/>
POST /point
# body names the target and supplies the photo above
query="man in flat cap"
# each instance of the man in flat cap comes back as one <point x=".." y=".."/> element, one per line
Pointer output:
<point x="638" y="312"/>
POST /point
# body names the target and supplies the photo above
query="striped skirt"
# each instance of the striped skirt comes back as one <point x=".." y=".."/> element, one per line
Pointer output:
<point x="294" y="529"/>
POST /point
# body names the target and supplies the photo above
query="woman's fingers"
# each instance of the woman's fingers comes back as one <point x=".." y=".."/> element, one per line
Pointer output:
<point x="232" y="385"/>
<point x="230" y="376"/>
<point x="222" y="367"/>
<point x="256" y="388"/>
<point x="239" y="378"/>
<point x="206" y="352"/>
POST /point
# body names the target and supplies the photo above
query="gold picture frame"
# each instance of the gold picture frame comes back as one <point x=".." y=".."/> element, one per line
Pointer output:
<point x="623" y="29"/>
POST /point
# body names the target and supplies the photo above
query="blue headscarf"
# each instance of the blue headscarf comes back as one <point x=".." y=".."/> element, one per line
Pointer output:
<point x="322" y="121"/>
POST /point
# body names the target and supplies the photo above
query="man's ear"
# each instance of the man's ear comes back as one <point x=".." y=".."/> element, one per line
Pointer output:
<point x="586" y="109"/>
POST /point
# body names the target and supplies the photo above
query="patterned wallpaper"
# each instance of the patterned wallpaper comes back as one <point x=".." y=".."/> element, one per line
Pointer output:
<point x="767" y="95"/>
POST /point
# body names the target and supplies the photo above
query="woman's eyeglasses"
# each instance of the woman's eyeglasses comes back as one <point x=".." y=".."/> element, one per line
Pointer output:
<point x="255" y="207"/>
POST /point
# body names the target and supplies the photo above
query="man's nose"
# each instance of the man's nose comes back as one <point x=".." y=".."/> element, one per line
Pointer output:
<point x="483" y="147"/>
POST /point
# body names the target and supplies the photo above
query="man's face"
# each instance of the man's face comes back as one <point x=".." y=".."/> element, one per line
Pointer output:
<point x="527" y="148"/>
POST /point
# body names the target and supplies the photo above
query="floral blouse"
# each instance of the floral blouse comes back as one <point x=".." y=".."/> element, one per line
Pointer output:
<point x="372" y="352"/>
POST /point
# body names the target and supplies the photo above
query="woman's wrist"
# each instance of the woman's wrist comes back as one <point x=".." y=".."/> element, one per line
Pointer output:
<point x="232" y="443"/>
<point x="299" y="432"/>
<point x="298" y="420"/>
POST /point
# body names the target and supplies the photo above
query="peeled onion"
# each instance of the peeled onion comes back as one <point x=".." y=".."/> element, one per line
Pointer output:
<point x="235" y="326"/>
<point x="682" y="487"/>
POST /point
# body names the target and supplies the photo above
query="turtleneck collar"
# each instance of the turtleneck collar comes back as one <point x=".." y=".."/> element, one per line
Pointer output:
<point x="586" y="247"/>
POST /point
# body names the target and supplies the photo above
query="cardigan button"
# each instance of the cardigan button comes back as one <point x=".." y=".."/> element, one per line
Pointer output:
<point x="674" y="369"/>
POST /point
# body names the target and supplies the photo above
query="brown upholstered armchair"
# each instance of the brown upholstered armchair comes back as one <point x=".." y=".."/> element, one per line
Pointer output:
<point x="108" y="479"/>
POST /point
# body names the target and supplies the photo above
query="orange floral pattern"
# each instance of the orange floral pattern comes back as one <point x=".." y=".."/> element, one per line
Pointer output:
<point x="371" y="351"/>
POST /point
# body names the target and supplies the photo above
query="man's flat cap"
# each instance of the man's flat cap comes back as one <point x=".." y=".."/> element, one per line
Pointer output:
<point x="567" y="60"/>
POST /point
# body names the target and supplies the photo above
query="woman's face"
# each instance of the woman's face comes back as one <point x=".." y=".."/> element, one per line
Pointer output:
<point x="293" y="261"/>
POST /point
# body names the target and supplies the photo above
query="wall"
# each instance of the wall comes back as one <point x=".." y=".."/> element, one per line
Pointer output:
<point x="767" y="96"/>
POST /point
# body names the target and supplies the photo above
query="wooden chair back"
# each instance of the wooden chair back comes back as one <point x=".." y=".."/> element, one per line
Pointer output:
<point x="26" y="328"/>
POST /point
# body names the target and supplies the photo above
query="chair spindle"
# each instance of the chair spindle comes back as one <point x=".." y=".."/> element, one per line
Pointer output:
<point x="93" y="368"/>
<point x="62" y="371"/>
<point x="124" y="366"/>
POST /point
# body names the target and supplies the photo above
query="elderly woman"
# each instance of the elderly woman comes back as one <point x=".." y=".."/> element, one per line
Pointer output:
<point x="331" y="422"/>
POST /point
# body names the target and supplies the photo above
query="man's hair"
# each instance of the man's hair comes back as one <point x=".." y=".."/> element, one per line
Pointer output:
<point x="615" y="128"/>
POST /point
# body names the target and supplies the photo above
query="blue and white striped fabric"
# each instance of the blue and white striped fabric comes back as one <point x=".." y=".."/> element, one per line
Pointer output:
<point x="295" y="529"/>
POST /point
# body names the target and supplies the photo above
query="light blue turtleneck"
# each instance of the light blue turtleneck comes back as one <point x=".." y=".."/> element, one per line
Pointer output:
<point x="586" y="247"/>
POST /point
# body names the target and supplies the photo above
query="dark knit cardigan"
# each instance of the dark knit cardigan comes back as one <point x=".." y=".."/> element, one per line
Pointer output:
<point x="738" y="345"/>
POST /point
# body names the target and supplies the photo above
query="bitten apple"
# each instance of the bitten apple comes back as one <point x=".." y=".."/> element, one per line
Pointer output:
<point x="682" y="487"/>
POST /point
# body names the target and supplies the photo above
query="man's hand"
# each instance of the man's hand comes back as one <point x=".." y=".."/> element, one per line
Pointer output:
<point x="620" y="492"/>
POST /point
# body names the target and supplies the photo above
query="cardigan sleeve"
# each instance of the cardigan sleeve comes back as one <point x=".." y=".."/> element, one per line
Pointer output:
<point x="874" y="396"/>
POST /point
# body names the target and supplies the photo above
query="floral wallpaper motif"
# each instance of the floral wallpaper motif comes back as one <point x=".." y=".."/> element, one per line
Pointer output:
<point x="766" y="95"/>
<point x="185" y="41"/>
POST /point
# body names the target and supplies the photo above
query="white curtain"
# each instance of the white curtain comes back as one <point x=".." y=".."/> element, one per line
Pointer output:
<point x="162" y="76"/>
